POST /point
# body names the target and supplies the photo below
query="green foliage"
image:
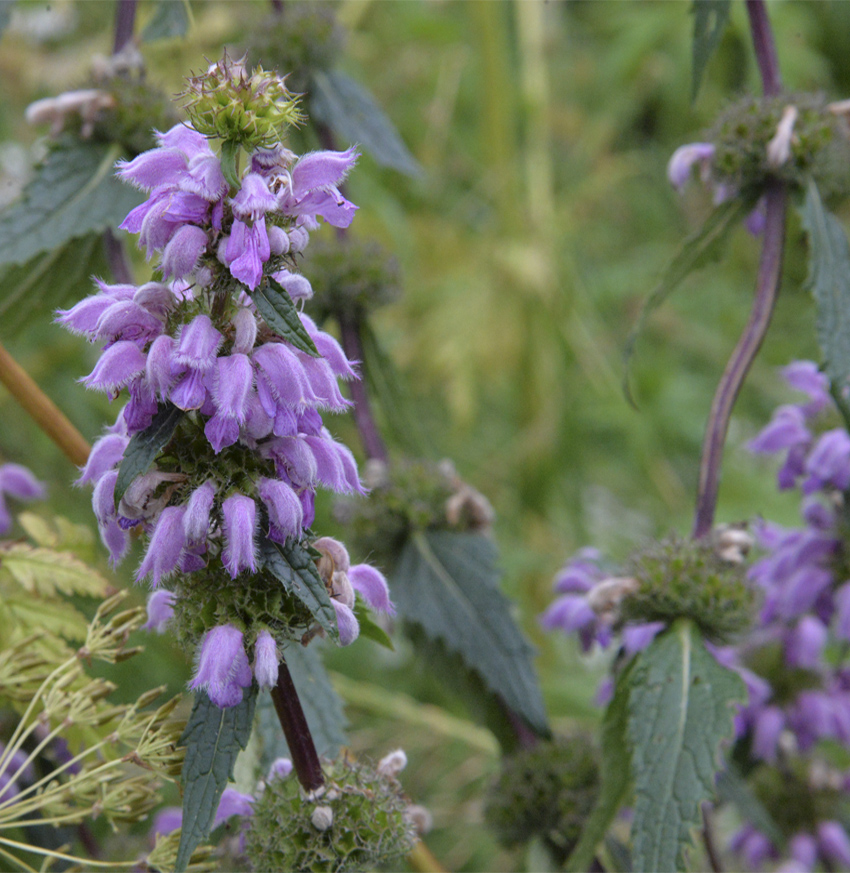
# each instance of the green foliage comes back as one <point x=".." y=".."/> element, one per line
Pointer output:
<point x="171" y="19"/>
<point x="548" y="790"/>
<point x="448" y="585"/>
<point x="358" y="823"/>
<point x="686" y="579"/>
<point x="700" y="248"/>
<point x="680" y="712"/>
<point x="322" y="707"/>
<point x="292" y="565"/>
<point x="710" y="20"/>
<point x="368" y="628"/>
<point x="144" y="446"/>
<point x="213" y="738"/>
<point x="72" y="194"/>
<point x="732" y="787"/>
<point x="351" y="112"/>
<point x="819" y="147"/>
<point x="829" y="281"/>
<point x="616" y="775"/>
<point x="280" y="314"/>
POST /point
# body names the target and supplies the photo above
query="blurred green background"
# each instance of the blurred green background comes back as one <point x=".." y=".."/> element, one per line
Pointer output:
<point x="542" y="221"/>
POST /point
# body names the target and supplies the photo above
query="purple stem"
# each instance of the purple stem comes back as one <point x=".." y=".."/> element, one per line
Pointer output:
<point x="125" y="21"/>
<point x="116" y="257"/>
<point x="767" y="289"/>
<point x="305" y="759"/>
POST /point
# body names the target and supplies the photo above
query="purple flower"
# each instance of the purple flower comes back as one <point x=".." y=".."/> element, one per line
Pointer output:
<point x="199" y="344"/>
<point x="806" y="377"/>
<point x="787" y="428"/>
<point x="160" y="610"/>
<point x="285" y="511"/>
<point x="118" y="366"/>
<point x="165" y="548"/>
<point x="240" y="529"/>
<point x="313" y="190"/>
<point x="637" y="637"/>
<point x="222" y="669"/>
<point x="828" y="464"/>
<point x="805" y="643"/>
<point x="183" y="250"/>
<point x="769" y="723"/>
<point x="347" y="624"/>
<point x="834" y="843"/>
<point x="196" y="521"/>
<point x="280" y="769"/>
<point x="372" y="585"/>
<point x="684" y="159"/>
<point x="106" y="453"/>
<point x="266" y="660"/>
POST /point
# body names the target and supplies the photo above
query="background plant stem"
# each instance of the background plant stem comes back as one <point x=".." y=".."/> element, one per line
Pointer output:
<point x="767" y="290"/>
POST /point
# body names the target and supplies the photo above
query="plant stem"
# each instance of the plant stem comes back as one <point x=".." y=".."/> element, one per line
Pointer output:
<point x="42" y="409"/>
<point x="767" y="289"/>
<point x="305" y="760"/>
<point x="370" y="436"/>
<point x="125" y="20"/>
<point x="765" y="47"/>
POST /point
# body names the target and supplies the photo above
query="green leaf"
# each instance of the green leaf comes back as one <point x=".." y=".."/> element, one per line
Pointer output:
<point x="280" y="314"/>
<point x="74" y="193"/>
<point x="213" y="738"/>
<point x="145" y="446"/>
<point x="36" y="615"/>
<point x="697" y="250"/>
<point x="293" y="567"/>
<point x="5" y="14"/>
<point x="616" y="776"/>
<point x="322" y="706"/>
<point x="33" y="291"/>
<point x="368" y="627"/>
<point x="170" y="19"/>
<point x="710" y="20"/>
<point x="352" y="113"/>
<point x="447" y="583"/>
<point x="829" y="280"/>
<point x="732" y="788"/>
<point x="44" y="572"/>
<point x="680" y="712"/>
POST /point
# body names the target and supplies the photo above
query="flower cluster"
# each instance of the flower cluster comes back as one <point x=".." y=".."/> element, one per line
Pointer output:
<point x="240" y="405"/>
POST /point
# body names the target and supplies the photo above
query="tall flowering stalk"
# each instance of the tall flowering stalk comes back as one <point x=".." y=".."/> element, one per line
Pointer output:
<point x="201" y="346"/>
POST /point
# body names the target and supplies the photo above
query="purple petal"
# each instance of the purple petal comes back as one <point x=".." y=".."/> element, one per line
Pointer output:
<point x="17" y="481"/>
<point x="82" y="319"/>
<point x="768" y="726"/>
<point x="266" y="659"/>
<point x="297" y="286"/>
<point x="683" y="160"/>
<point x="240" y="528"/>
<point x="222" y="669"/>
<point x="221" y="432"/>
<point x="253" y="199"/>
<point x="183" y="250"/>
<point x="160" y="610"/>
<point x="106" y="453"/>
<point x="284" y="508"/>
<point x="117" y="366"/>
<point x="199" y="344"/>
<point x="149" y="170"/>
<point x="804" y="376"/>
<point x="165" y="547"/>
<point x="232" y="803"/>
<point x="235" y="376"/>
<point x="787" y="428"/>
<point x="190" y="392"/>
<point x="373" y="586"/>
<point x="280" y="769"/>
<point x="834" y="843"/>
<point x="569" y="613"/>
<point x="158" y="369"/>
<point x="637" y="637"/>
<point x="196" y="521"/>
<point x="346" y="621"/>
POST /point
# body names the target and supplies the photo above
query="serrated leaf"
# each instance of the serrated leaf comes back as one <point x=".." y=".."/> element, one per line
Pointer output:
<point x="680" y="712"/>
<point x="368" y="627"/>
<point x="615" y="777"/>
<point x="279" y="313"/>
<point x="170" y="19"/>
<point x="696" y="251"/>
<point x="45" y="572"/>
<point x="710" y="20"/>
<point x="145" y="446"/>
<point x="50" y="280"/>
<point x="322" y="707"/>
<point x="355" y="117"/>
<point x="213" y="738"/>
<point x="56" y="617"/>
<point x="447" y="583"/>
<point x="829" y="281"/>
<point x="58" y="533"/>
<point x="73" y="193"/>
<point x="293" y="567"/>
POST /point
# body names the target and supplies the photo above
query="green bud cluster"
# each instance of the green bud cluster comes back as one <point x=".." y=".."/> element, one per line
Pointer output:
<point x="251" y="111"/>
<point x="409" y="495"/>
<point x="302" y="38"/>
<point x="548" y="792"/>
<point x="820" y="145"/>
<point x="139" y="109"/>
<point x="350" y="277"/>
<point x="359" y="822"/>
<point x="685" y="579"/>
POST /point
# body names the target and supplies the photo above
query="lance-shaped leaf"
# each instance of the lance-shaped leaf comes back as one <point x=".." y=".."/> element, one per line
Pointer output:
<point x="74" y="193"/>
<point x="829" y="280"/>
<point x="170" y="19"/>
<point x="710" y="20"/>
<point x="280" y="314"/>
<point x="681" y="707"/>
<point x="322" y="706"/>
<point x="353" y="115"/>
<point x="293" y="567"/>
<point x="697" y="250"/>
<point x="213" y="738"/>
<point x="368" y="627"/>
<point x="615" y="776"/>
<point x="447" y="583"/>
<point x="31" y="292"/>
<point x="145" y="446"/>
